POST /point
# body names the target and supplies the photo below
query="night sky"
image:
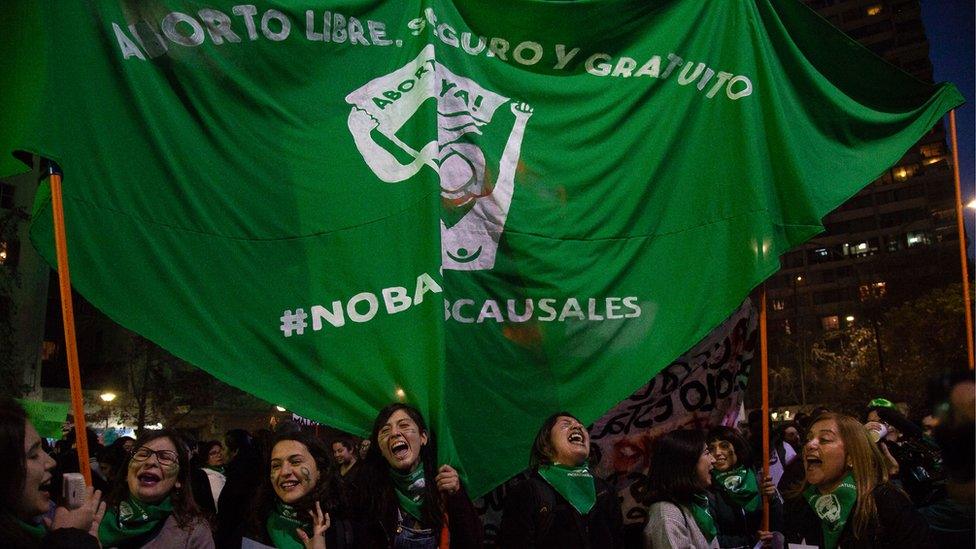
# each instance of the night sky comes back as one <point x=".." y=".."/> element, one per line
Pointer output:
<point x="950" y="28"/>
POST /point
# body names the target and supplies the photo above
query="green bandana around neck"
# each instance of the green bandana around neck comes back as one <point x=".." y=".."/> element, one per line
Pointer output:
<point x="576" y="484"/>
<point x="282" y="524"/>
<point x="741" y="487"/>
<point x="410" y="490"/>
<point x="133" y="523"/>
<point x="833" y="508"/>
<point x="703" y="517"/>
<point x="37" y="531"/>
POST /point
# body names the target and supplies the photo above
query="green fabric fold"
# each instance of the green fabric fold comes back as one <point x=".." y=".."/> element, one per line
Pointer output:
<point x="703" y="517"/>
<point x="283" y="524"/>
<point x="833" y="508"/>
<point x="133" y="523"/>
<point x="409" y="488"/>
<point x="576" y="484"/>
<point x="741" y="487"/>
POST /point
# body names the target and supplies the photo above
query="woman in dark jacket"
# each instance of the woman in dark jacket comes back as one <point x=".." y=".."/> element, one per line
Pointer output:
<point x="408" y="500"/>
<point x="297" y="501"/>
<point x="561" y="503"/>
<point x="737" y="494"/>
<point x="25" y="492"/>
<point x="846" y="499"/>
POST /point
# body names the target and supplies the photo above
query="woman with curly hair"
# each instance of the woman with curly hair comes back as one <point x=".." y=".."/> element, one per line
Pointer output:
<point x="295" y="503"/>
<point x="846" y="499"/>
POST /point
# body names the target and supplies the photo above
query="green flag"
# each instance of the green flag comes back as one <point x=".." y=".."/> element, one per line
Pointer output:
<point x="494" y="209"/>
<point x="47" y="417"/>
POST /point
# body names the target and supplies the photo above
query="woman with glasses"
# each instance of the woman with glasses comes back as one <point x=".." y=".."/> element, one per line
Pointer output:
<point x="207" y="479"/>
<point x="152" y="506"/>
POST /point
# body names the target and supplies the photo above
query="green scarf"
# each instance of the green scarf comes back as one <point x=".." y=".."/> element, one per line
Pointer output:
<point x="410" y="490"/>
<point x="741" y="487"/>
<point x="36" y="531"/>
<point x="133" y="523"/>
<point x="282" y="524"/>
<point x="833" y="508"/>
<point x="573" y="483"/>
<point x="703" y="518"/>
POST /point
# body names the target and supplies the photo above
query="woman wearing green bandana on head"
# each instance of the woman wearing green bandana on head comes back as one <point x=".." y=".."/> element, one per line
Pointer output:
<point x="737" y="502"/>
<point x="152" y="506"/>
<point x="410" y="502"/>
<point x="677" y="492"/>
<point x="295" y="504"/>
<point x="25" y="492"/>
<point x="561" y="503"/>
<point x="847" y="500"/>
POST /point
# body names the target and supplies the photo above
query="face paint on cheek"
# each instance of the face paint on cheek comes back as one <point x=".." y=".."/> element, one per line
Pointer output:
<point x="306" y="475"/>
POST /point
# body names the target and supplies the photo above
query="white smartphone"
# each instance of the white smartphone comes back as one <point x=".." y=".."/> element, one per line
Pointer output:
<point x="73" y="490"/>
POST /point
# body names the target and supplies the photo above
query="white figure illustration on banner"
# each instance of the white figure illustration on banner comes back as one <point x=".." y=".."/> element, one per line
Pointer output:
<point x="385" y="105"/>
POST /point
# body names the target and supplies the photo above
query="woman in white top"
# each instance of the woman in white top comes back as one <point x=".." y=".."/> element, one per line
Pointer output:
<point x="680" y="474"/>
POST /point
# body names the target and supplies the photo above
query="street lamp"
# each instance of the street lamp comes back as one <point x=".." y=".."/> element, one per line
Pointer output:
<point x="107" y="397"/>
<point x="849" y="318"/>
<point x="280" y="408"/>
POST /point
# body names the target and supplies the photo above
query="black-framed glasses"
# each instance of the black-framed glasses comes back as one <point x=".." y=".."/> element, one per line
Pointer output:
<point x="166" y="458"/>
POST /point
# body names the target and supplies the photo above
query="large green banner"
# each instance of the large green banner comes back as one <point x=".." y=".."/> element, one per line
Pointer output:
<point x="491" y="209"/>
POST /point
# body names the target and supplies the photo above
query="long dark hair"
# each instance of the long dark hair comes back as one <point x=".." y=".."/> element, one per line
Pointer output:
<point x="743" y="455"/>
<point x="542" y="451"/>
<point x="376" y="471"/>
<point x="323" y="492"/>
<point x="673" y="475"/>
<point x="185" y="508"/>
<point x="13" y="471"/>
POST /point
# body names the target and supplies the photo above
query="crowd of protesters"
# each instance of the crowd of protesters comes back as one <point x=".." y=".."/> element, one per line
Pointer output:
<point x="834" y="480"/>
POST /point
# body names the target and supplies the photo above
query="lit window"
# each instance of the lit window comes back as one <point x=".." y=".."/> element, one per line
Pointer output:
<point x="931" y="150"/>
<point x="873" y="9"/>
<point x="822" y="252"/>
<point x="830" y="322"/>
<point x="779" y="304"/>
<point x="879" y="289"/>
<point x="903" y="173"/>
<point x="918" y="238"/>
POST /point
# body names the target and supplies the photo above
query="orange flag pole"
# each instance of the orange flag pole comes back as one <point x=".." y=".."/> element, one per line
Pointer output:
<point x="68" y="317"/>
<point x="764" y="368"/>
<point x="962" y="241"/>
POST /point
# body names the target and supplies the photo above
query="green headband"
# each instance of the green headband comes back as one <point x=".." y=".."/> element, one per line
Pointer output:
<point x="881" y="403"/>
